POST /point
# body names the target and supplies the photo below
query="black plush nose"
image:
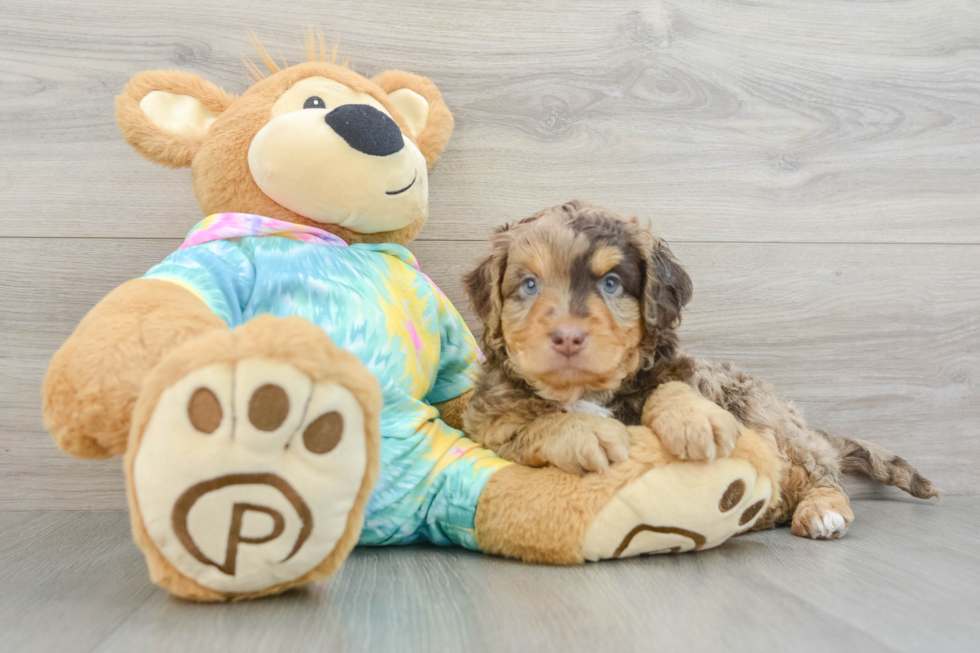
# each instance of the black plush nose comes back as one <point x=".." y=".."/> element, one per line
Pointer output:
<point x="366" y="129"/>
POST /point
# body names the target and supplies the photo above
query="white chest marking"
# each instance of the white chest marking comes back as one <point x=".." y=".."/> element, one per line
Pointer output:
<point x="589" y="408"/>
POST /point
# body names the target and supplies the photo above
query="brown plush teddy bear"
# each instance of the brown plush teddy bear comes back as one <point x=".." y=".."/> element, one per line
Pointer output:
<point x="289" y="383"/>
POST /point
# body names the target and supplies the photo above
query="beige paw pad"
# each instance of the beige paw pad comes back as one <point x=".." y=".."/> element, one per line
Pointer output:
<point x="679" y="507"/>
<point x="247" y="473"/>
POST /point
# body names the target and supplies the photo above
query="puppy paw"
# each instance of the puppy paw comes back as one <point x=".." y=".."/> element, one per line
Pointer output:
<point x="585" y="443"/>
<point x="823" y="517"/>
<point x="696" y="430"/>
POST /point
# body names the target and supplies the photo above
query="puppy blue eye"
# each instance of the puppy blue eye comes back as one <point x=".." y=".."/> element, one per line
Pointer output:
<point x="530" y="286"/>
<point x="610" y="284"/>
<point x="313" y="102"/>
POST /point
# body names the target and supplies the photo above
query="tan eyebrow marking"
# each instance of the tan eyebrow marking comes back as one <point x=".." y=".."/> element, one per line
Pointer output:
<point x="605" y="259"/>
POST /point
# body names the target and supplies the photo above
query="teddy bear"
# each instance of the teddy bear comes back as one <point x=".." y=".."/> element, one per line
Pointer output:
<point x="289" y="383"/>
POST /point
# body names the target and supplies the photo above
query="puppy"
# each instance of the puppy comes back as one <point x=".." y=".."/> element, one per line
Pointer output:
<point x="580" y="309"/>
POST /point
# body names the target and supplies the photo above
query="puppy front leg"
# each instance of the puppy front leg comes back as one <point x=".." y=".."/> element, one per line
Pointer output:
<point x="574" y="442"/>
<point x="690" y="426"/>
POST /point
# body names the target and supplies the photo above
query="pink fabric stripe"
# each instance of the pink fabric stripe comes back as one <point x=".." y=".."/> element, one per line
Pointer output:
<point x="223" y="226"/>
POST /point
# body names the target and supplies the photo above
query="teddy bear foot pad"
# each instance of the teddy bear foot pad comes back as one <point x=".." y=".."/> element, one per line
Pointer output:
<point x="698" y="506"/>
<point x="247" y="473"/>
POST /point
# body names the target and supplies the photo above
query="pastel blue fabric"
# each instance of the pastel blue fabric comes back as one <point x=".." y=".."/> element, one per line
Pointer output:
<point x="373" y="301"/>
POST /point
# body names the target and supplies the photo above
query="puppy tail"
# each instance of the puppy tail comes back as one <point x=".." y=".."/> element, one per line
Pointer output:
<point x="879" y="464"/>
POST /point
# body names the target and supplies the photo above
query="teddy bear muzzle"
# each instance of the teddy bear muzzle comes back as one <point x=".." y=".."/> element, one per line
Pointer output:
<point x="349" y="166"/>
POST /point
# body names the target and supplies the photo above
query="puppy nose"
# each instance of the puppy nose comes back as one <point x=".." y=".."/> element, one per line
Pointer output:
<point x="366" y="129"/>
<point x="568" y="340"/>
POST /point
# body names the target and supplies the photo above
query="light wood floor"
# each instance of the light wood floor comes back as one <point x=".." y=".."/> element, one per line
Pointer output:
<point x="815" y="165"/>
<point x="905" y="578"/>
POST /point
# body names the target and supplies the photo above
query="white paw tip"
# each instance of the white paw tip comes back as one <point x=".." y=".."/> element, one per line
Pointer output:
<point x="830" y="525"/>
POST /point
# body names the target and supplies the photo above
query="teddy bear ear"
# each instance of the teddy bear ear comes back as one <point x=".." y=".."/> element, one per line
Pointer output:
<point x="165" y="114"/>
<point x="420" y="103"/>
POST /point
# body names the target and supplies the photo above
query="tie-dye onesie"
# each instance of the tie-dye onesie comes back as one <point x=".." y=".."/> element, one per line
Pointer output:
<point x="373" y="301"/>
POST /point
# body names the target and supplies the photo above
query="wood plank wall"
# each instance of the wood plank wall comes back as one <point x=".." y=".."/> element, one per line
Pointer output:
<point x="816" y="166"/>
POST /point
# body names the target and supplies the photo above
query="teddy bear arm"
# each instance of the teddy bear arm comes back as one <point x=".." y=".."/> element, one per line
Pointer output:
<point x="93" y="380"/>
<point x="651" y="503"/>
<point x="451" y="411"/>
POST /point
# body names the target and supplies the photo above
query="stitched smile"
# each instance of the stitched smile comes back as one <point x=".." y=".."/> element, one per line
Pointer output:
<point x="398" y="192"/>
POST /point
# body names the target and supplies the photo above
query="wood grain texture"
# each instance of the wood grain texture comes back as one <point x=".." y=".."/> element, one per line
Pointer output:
<point x="751" y="133"/>
<point x="771" y="120"/>
<point x="879" y="342"/>
<point x="905" y="578"/>
<point x="815" y="165"/>
<point x="69" y="579"/>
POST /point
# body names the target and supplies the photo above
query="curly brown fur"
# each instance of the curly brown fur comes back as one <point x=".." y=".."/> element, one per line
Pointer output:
<point x="529" y="380"/>
<point x="637" y="373"/>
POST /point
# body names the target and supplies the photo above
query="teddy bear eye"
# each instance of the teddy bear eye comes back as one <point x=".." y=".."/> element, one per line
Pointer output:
<point x="314" y="102"/>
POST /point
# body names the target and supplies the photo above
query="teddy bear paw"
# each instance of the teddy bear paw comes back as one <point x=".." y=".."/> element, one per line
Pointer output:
<point x="679" y="507"/>
<point x="248" y="472"/>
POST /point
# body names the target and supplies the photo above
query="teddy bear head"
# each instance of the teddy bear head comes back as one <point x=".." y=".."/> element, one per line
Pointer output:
<point x="314" y="144"/>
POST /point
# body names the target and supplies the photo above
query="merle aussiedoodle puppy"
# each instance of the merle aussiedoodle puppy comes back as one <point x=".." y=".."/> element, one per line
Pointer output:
<point x="580" y="309"/>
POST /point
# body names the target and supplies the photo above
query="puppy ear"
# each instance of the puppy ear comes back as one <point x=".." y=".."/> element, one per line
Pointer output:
<point x="165" y="114"/>
<point x="420" y="103"/>
<point x="667" y="286"/>
<point x="483" y="286"/>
